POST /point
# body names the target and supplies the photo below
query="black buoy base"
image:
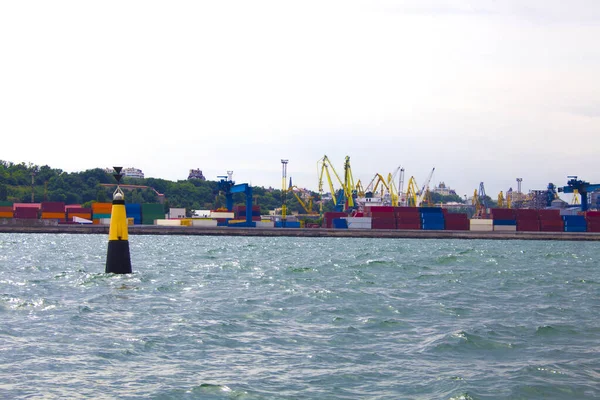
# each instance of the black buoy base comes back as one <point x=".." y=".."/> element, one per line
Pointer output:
<point x="118" y="260"/>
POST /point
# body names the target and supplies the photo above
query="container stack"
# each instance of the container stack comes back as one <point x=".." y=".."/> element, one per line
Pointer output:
<point x="382" y="217"/>
<point x="240" y="212"/>
<point x="527" y="220"/>
<point x="592" y="218"/>
<point x="574" y="223"/>
<point x="456" y="221"/>
<point x="551" y="221"/>
<point x="504" y="219"/>
<point x="134" y="210"/>
<point x="408" y="218"/>
<point x="101" y="211"/>
<point x="6" y="209"/>
<point x="26" y="210"/>
<point x="432" y="218"/>
<point x="79" y="212"/>
<point x="152" y="212"/>
<point x="53" y="210"/>
<point x="328" y="218"/>
<point x="481" y="225"/>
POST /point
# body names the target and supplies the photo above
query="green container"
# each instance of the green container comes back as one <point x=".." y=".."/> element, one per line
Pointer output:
<point x="6" y="204"/>
<point x="100" y="216"/>
<point x="149" y="219"/>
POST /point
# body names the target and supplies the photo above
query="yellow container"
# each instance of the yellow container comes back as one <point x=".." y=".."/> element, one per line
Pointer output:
<point x="186" y="222"/>
<point x="129" y="221"/>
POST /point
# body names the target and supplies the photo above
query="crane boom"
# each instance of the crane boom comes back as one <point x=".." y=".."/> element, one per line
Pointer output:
<point x="424" y="189"/>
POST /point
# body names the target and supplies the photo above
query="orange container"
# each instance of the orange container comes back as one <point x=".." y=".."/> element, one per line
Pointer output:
<point x="6" y="214"/>
<point x="53" y="215"/>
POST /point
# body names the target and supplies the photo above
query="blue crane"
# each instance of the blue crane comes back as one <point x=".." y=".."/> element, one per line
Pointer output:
<point x="582" y="187"/>
<point x="227" y="185"/>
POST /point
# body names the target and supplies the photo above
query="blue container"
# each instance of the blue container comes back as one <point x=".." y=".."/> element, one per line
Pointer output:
<point x="505" y="222"/>
<point x="340" y="223"/>
<point x="433" y="227"/>
<point x="288" y="224"/>
<point x="431" y="210"/>
<point x="575" y="220"/>
<point x="575" y="229"/>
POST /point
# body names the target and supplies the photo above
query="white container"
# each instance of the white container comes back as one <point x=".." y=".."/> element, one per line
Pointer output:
<point x="482" y="222"/>
<point x="265" y="224"/>
<point x="208" y="223"/>
<point x="104" y="221"/>
<point x="505" y="228"/>
<point x="176" y="213"/>
<point x="359" y="222"/>
<point x="221" y="214"/>
<point x="481" y="225"/>
<point x="167" y="222"/>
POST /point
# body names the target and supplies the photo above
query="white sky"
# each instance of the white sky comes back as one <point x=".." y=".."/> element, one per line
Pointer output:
<point x="482" y="90"/>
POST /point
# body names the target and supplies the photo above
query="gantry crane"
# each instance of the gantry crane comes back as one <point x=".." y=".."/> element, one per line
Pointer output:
<point x="582" y="187"/>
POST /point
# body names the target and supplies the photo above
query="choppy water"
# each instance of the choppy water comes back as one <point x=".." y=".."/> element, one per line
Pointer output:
<point x="299" y="318"/>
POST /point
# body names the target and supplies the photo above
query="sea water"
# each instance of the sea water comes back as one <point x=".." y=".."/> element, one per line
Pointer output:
<point x="299" y="318"/>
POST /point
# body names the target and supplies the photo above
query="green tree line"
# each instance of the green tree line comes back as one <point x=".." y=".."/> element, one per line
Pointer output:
<point x="19" y="182"/>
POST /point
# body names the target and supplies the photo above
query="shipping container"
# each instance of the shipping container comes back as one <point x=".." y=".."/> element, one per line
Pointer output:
<point x="26" y="205"/>
<point x="359" y="222"/>
<point x="339" y="223"/>
<point x="409" y="226"/>
<point x="552" y="214"/>
<point x="53" y="215"/>
<point x="481" y="225"/>
<point x="167" y="222"/>
<point x="6" y="204"/>
<point x="505" y="222"/>
<point x="502" y="213"/>
<point x="505" y="228"/>
<point x="53" y="207"/>
<point x="526" y="214"/>
<point x="528" y="225"/>
<point x="6" y="214"/>
<point x="26" y="213"/>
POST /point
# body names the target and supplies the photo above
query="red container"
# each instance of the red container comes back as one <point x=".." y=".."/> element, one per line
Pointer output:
<point x="415" y="226"/>
<point x="552" y="225"/>
<point x="383" y="221"/>
<point x="406" y="210"/>
<point x="380" y="209"/>
<point x="26" y="205"/>
<point x="526" y="213"/>
<point x="502" y="213"/>
<point x="456" y="217"/>
<point x="408" y="219"/>
<point x="457" y="225"/>
<point x="528" y="225"/>
<point x="593" y="227"/>
<point x="592" y="214"/>
<point x="78" y="210"/>
<point x="6" y="209"/>
<point x="549" y="214"/>
<point x="26" y="213"/>
<point x="53" y="206"/>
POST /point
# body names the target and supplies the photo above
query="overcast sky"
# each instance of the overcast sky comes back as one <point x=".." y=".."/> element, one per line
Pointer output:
<point x="482" y="90"/>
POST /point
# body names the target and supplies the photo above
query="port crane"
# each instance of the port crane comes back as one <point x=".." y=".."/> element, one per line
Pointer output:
<point x="305" y="199"/>
<point x="411" y="193"/>
<point x="347" y="193"/>
<point x="582" y="187"/>
<point x="422" y="193"/>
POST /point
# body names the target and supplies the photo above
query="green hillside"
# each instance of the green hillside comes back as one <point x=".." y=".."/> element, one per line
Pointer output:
<point x="52" y="184"/>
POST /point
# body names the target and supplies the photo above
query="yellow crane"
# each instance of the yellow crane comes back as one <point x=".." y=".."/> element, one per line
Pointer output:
<point x="411" y="192"/>
<point x="305" y="199"/>
<point x="348" y="188"/>
<point x="501" y="200"/>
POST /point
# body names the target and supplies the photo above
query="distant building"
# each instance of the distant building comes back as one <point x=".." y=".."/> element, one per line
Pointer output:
<point x="196" y="174"/>
<point x="129" y="172"/>
<point x="443" y="190"/>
